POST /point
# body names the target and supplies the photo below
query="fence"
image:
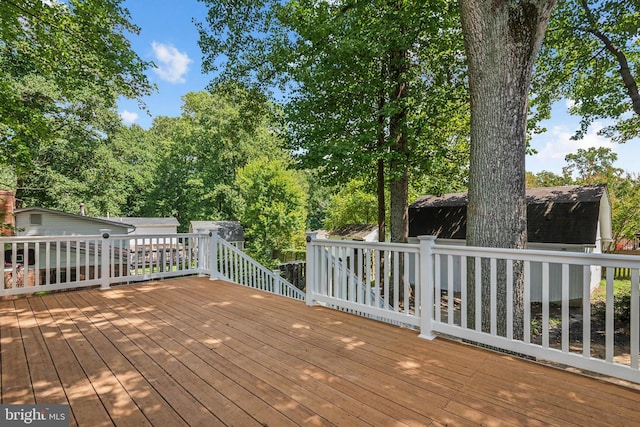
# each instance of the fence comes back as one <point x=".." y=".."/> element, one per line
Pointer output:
<point x="39" y="264"/>
<point x="535" y="303"/>
<point x="231" y="264"/>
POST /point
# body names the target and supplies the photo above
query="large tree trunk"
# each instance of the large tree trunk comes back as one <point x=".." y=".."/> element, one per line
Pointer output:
<point x="502" y="39"/>
<point x="398" y="165"/>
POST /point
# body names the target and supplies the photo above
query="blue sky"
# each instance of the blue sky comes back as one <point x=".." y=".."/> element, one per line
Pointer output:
<point x="169" y="38"/>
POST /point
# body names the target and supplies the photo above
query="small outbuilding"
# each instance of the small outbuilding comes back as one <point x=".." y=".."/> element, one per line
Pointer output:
<point x="358" y="232"/>
<point x="567" y="218"/>
<point x="231" y="231"/>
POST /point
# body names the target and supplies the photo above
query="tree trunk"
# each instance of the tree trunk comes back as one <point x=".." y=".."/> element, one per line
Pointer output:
<point x="502" y="39"/>
<point x="398" y="165"/>
<point x="380" y="176"/>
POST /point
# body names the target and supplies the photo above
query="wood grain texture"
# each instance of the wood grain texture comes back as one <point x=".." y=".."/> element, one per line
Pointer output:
<point x="192" y="351"/>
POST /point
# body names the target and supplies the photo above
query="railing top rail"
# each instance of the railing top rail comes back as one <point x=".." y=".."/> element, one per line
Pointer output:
<point x="558" y="257"/>
<point x="21" y="239"/>
<point x="385" y="246"/>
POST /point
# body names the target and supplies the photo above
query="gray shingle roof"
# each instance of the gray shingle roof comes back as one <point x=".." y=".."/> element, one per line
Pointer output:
<point x="567" y="214"/>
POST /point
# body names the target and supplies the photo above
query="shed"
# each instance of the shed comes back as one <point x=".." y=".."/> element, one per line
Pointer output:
<point x="567" y="218"/>
<point x="359" y="232"/>
<point x="149" y="225"/>
<point x="231" y="231"/>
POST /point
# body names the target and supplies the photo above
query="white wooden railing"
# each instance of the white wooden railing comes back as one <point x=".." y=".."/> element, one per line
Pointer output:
<point x="232" y="264"/>
<point x="42" y="264"/>
<point x="432" y="288"/>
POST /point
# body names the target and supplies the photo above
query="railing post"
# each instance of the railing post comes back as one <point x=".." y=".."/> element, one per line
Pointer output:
<point x="426" y="286"/>
<point x="310" y="274"/>
<point x="202" y="259"/>
<point x="213" y="255"/>
<point x="105" y="261"/>
<point x="276" y="283"/>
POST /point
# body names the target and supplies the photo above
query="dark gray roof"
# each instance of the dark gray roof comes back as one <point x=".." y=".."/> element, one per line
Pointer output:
<point x="231" y="231"/>
<point x="567" y="214"/>
<point x="354" y="231"/>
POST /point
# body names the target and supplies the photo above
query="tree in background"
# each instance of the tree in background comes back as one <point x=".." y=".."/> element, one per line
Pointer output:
<point x="352" y="204"/>
<point x="63" y="65"/>
<point x="370" y="83"/>
<point x="273" y="209"/>
<point x="201" y="151"/>
<point x="110" y="176"/>
<point x="590" y="56"/>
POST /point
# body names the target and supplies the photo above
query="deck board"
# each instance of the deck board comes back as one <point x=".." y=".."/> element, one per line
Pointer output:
<point x="196" y="352"/>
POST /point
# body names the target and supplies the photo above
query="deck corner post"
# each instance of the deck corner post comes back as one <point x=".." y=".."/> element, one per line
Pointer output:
<point x="276" y="281"/>
<point x="105" y="251"/>
<point x="426" y="286"/>
<point x="310" y="275"/>
<point x="213" y="255"/>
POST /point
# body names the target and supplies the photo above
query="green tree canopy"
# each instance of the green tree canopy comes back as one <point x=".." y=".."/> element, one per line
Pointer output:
<point x="201" y="151"/>
<point x="63" y="65"/>
<point x="273" y="211"/>
<point x="591" y="56"/>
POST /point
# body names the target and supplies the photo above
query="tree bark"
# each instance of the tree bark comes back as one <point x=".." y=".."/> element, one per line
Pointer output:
<point x="502" y="39"/>
<point x="398" y="165"/>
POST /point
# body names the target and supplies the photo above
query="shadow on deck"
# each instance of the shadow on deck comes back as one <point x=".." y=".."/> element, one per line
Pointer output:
<point x="194" y="352"/>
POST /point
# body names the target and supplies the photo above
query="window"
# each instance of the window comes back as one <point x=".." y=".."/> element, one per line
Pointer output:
<point x="35" y="219"/>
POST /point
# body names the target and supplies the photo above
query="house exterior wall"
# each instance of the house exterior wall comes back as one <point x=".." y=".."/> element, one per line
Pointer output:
<point x="53" y="224"/>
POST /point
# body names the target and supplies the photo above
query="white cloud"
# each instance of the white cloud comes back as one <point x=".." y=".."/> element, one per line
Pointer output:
<point x="559" y="142"/>
<point x="128" y="117"/>
<point x="172" y="65"/>
<point x="556" y="143"/>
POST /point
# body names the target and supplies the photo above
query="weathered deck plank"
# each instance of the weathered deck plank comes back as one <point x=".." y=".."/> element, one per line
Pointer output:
<point x="195" y="352"/>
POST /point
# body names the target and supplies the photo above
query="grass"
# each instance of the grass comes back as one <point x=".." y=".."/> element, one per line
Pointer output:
<point x="621" y="300"/>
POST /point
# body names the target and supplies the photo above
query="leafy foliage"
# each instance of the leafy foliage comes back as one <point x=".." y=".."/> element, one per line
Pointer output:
<point x="273" y="208"/>
<point x="353" y="204"/>
<point x="367" y="82"/>
<point x="591" y="56"/>
<point x="201" y="151"/>
<point x="62" y="67"/>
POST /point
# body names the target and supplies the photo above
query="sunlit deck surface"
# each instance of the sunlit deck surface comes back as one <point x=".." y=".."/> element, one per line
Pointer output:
<point x="196" y="352"/>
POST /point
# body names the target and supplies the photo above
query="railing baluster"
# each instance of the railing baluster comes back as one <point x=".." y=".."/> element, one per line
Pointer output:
<point x="396" y="280"/>
<point x="438" y="288"/>
<point x="565" y="308"/>
<point x="406" y="284"/>
<point x="493" y="268"/>
<point x="58" y="262"/>
<point x="463" y="292"/>
<point x="450" y="289"/>
<point x="478" y="290"/>
<point x="609" y="317"/>
<point x="36" y="264"/>
<point x="586" y="311"/>
<point x="527" y="302"/>
<point x="634" y="330"/>
<point x="545" y="304"/>
<point x="509" y="290"/>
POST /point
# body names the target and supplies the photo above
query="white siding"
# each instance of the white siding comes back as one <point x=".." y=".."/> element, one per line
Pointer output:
<point x="61" y="225"/>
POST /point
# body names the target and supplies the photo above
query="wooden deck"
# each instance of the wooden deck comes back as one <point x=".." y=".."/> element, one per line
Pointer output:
<point x="202" y="353"/>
